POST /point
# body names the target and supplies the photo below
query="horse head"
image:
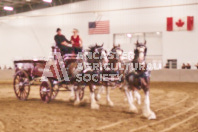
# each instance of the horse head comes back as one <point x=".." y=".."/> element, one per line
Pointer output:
<point x="116" y="52"/>
<point x="140" y="51"/>
<point x="97" y="54"/>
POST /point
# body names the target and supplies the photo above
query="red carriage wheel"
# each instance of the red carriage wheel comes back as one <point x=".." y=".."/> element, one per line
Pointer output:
<point x="46" y="91"/>
<point x="21" y="85"/>
<point x="81" y="93"/>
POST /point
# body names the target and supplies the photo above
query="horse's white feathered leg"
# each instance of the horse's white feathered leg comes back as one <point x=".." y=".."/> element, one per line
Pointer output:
<point x="72" y="94"/>
<point x="109" y="102"/>
<point x="77" y="101"/>
<point x="94" y="104"/>
<point x="98" y="96"/>
<point x="137" y="97"/>
<point x="132" y="107"/>
<point x="147" y="112"/>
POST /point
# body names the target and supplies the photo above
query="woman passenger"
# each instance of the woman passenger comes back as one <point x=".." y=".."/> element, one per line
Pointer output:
<point x="76" y="41"/>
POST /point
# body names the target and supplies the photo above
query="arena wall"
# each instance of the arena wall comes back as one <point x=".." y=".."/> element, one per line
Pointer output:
<point x="30" y="34"/>
<point x="6" y="75"/>
<point x="174" y="75"/>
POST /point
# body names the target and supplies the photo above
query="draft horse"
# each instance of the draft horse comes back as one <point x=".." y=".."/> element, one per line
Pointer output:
<point x="139" y="79"/>
<point x="115" y="67"/>
<point x="96" y="58"/>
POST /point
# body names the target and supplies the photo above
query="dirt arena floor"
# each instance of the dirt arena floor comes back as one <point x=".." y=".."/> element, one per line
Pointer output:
<point x="175" y="104"/>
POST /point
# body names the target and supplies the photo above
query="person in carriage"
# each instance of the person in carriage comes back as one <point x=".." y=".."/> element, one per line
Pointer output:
<point x="76" y="41"/>
<point x="62" y="42"/>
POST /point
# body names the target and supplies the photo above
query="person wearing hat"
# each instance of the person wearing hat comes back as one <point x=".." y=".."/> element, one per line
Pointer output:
<point x="62" y="42"/>
<point x="76" y="41"/>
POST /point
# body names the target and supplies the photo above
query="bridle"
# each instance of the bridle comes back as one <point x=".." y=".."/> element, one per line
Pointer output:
<point x="137" y="52"/>
<point x="114" y="52"/>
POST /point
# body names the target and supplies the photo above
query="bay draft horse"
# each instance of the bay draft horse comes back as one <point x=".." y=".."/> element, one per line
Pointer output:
<point x="96" y="58"/>
<point x="139" y="79"/>
<point x="115" y="67"/>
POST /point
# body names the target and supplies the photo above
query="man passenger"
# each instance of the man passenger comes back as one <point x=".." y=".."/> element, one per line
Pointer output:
<point x="62" y="42"/>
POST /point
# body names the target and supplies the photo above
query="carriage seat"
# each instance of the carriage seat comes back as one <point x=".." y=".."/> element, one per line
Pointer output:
<point x="56" y="49"/>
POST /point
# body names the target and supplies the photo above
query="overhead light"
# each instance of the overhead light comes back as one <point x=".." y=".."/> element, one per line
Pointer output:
<point x="129" y="35"/>
<point x="8" y="8"/>
<point x="158" y="33"/>
<point x="48" y="1"/>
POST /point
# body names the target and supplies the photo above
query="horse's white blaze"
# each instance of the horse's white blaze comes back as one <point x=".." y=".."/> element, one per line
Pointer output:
<point x="141" y="49"/>
<point x="104" y="56"/>
<point x="119" y="52"/>
<point x="141" y="53"/>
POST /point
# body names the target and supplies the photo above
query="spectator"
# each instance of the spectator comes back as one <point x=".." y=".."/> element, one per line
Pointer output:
<point x="188" y="66"/>
<point x="5" y="68"/>
<point x="197" y="65"/>
<point x="183" y="66"/>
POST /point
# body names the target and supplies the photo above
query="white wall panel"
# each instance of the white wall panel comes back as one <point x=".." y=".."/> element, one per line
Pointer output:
<point x="31" y="33"/>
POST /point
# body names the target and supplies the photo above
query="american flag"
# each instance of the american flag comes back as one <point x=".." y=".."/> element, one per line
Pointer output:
<point x="99" y="27"/>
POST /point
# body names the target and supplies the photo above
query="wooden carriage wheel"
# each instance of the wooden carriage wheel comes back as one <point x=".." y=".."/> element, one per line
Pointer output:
<point x="55" y="90"/>
<point x="21" y="85"/>
<point x="46" y="91"/>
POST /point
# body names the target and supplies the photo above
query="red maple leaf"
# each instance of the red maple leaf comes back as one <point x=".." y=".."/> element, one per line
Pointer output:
<point x="180" y="23"/>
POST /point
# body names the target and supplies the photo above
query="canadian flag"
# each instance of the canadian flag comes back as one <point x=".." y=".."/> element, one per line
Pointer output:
<point x="180" y="23"/>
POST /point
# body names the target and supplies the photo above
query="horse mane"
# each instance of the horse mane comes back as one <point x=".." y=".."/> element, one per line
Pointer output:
<point x="91" y="50"/>
<point x="93" y="47"/>
<point x="140" y="44"/>
<point x="114" y="48"/>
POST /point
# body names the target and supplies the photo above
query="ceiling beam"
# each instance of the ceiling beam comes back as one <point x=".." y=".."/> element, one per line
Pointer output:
<point x="24" y="6"/>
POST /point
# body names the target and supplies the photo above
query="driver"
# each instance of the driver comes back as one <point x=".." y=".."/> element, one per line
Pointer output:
<point x="62" y="42"/>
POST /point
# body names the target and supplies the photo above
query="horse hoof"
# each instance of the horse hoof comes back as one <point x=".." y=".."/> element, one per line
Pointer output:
<point x="110" y="103"/>
<point x="150" y="116"/>
<point x="133" y="110"/>
<point x="139" y="102"/>
<point x="71" y="99"/>
<point x="76" y="103"/>
<point x="98" y="97"/>
<point x="94" y="106"/>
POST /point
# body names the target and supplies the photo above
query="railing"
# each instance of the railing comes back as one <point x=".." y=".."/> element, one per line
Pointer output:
<point x="154" y="58"/>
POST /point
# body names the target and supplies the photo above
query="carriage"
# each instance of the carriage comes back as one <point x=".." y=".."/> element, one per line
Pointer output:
<point x="30" y="72"/>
